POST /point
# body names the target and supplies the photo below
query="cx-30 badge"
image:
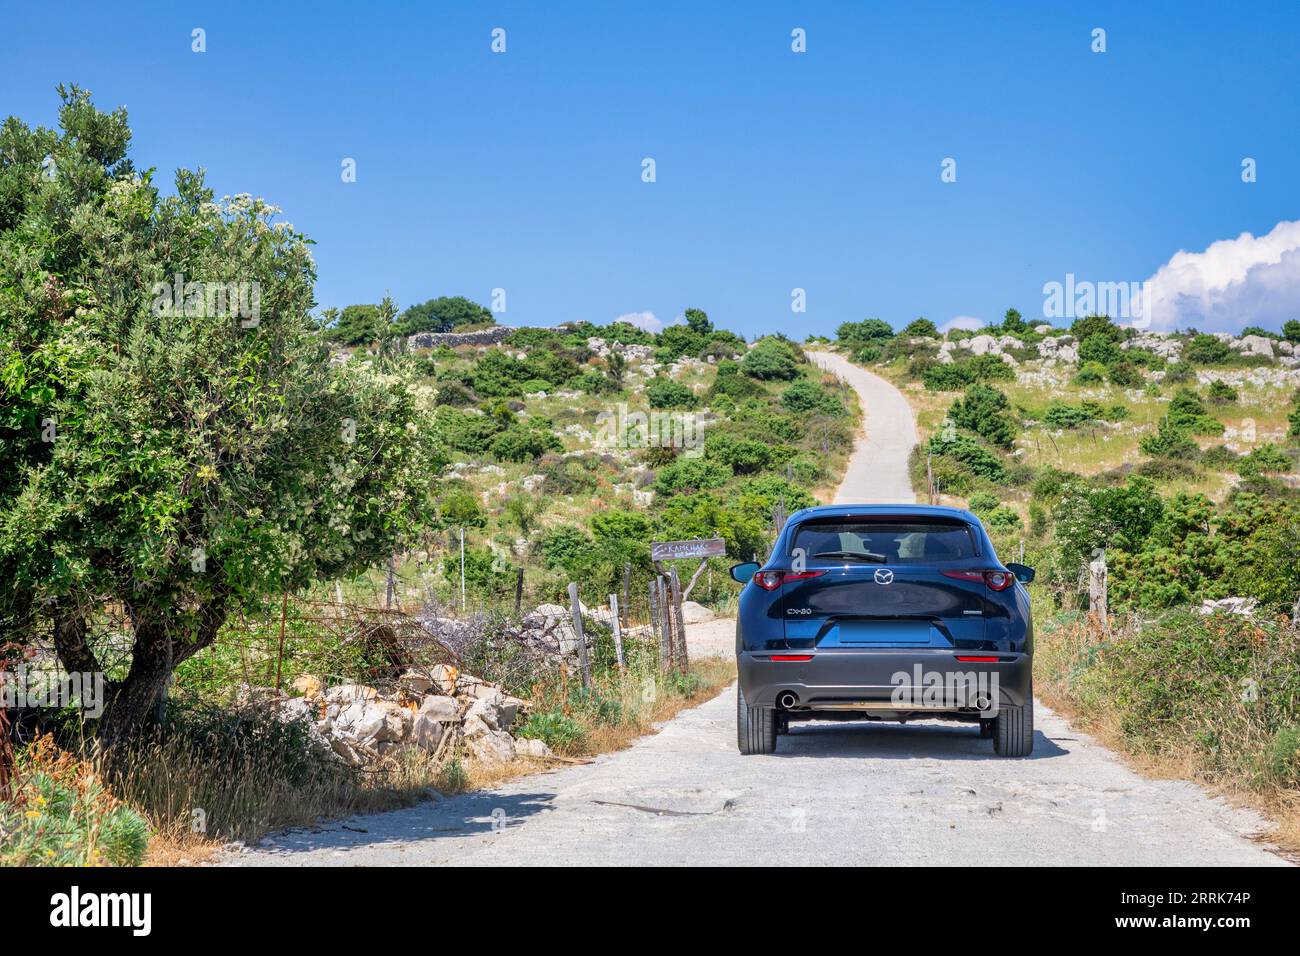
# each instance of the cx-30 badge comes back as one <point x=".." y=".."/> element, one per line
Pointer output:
<point x="884" y="576"/>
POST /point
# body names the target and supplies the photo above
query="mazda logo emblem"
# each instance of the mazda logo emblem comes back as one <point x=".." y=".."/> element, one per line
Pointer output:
<point x="884" y="576"/>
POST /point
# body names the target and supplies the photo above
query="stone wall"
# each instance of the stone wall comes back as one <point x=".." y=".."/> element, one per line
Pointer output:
<point x="431" y="340"/>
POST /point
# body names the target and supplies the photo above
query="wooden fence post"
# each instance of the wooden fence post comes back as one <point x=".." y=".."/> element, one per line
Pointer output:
<point x="618" y="631"/>
<point x="1097" y="590"/>
<point x="519" y="590"/>
<point x="583" y="662"/>
<point x="664" y="625"/>
<point x="627" y="590"/>
<point x="679" y="621"/>
<point x="654" y="622"/>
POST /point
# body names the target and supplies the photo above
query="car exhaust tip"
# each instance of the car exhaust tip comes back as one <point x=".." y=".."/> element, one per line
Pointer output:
<point x="787" y="700"/>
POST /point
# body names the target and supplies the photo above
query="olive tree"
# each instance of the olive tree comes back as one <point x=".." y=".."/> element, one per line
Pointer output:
<point x="175" y="437"/>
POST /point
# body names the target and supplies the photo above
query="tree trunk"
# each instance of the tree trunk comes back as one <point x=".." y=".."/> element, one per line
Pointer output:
<point x="155" y="653"/>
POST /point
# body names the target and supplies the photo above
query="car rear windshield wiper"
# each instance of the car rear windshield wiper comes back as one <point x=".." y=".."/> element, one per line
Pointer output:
<point x="867" y="556"/>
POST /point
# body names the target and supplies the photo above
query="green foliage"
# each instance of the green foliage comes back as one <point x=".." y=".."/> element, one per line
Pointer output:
<point x="522" y="442"/>
<point x="1125" y="374"/>
<point x="1265" y="458"/>
<point x="742" y="455"/>
<point x="1206" y="350"/>
<point x="923" y="327"/>
<point x="1088" y="516"/>
<point x="770" y="358"/>
<point x="1187" y="412"/>
<point x="180" y="425"/>
<point x="804" y="396"/>
<point x="1013" y="324"/>
<point x="1090" y="373"/>
<point x="983" y="501"/>
<point x="1179" y="373"/>
<point x="443" y="314"/>
<point x="1175" y="687"/>
<point x="663" y="392"/>
<point x="65" y="817"/>
<point x="730" y="382"/>
<point x="1168" y="441"/>
<point x="1099" y="325"/>
<point x="855" y="335"/>
<point x="949" y="377"/>
<point x="559" y="731"/>
<point x="357" y="325"/>
<point x="486" y="575"/>
<point x="975" y="458"/>
<point x="985" y="411"/>
<point x="1065" y="415"/>
<point x="1291" y="331"/>
<point x="688" y="475"/>
<point x="1220" y="393"/>
<point x="1098" y="348"/>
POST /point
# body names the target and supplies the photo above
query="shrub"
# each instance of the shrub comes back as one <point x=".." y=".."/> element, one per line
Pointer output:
<point x="920" y="327"/>
<point x="1003" y="519"/>
<point x="1065" y="415"/>
<point x="662" y="392"/>
<point x="947" y="377"/>
<point x="977" y="459"/>
<point x="985" y="411"/>
<point x="1125" y="375"/>
<point x="1098" y="348"/>
<point x="1090" y="373"/>
<point x="1207" y="350"/>
<point x="1179" y="373"/>
<point x="983" y="501"/>
<point x="1187" y="412"/>
<point x="1168" y="441"/>
<point x="1220" y="393"/>
<point x="524" y="443"/>
<point x="806" y="396"/>
<point x="687" y="475"/>
<point x="770" y="358"/>
<point x="65" y="817"/>
<point x="742" y="455"/>
<point x="560" y="732"/>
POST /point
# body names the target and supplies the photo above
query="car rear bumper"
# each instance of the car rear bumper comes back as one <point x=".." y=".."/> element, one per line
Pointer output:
<point x="902" y="679"/>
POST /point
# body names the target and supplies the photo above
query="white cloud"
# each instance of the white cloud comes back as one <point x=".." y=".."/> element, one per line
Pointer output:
<point x="1234" y="283"/>
<point x="642" y="320"/>
<point x="962" y="322"/>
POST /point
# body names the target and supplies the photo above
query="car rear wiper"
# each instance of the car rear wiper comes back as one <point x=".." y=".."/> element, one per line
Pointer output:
<point x="867" y="556"/>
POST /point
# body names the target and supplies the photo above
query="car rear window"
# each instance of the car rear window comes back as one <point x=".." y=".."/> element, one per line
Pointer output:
<point x="888" y="541"/>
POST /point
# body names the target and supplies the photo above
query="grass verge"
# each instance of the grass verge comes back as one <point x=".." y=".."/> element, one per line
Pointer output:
<point x="1215" y="699"/>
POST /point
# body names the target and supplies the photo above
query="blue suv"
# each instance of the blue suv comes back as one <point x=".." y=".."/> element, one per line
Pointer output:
<point x="884" y="612"/>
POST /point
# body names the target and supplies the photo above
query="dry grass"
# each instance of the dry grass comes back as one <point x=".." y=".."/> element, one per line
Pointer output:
<point x="1101" y="690"/>
<point x="261" y="782"/>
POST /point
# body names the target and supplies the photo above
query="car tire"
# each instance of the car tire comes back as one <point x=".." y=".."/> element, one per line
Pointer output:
<point x="755" y="727"/>
<point x="1013" y="730"/>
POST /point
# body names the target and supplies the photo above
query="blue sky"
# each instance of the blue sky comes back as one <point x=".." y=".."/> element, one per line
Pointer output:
<point x="775" y="170"/>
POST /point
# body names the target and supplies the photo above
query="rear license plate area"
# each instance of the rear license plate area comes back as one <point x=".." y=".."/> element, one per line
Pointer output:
<point x="885" y="633"/>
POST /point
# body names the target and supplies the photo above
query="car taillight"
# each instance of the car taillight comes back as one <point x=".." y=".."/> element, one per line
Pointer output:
<point x="771" y="580"/>
<point x="797" y="658"/>
<point x="968" y="659"/>
<point x="994" y="580"/>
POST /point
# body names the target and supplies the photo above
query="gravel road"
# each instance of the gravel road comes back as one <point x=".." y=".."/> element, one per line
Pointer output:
<point x="922" y="793"/>
<point x="877" y="469"/>
<point x="926" y="792"/>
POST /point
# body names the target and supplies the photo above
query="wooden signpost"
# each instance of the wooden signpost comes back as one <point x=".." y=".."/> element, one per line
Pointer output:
<point x="667" y="593"/>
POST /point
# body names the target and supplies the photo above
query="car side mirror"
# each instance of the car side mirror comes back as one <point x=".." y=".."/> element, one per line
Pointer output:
<point x="743" y="572"/>
<point x="1023" y="572"/>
